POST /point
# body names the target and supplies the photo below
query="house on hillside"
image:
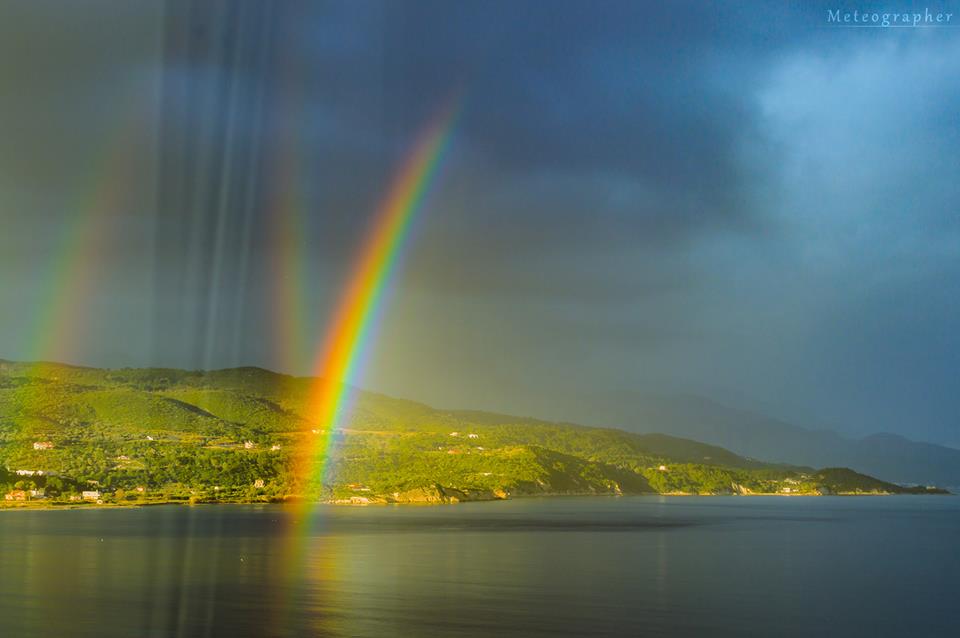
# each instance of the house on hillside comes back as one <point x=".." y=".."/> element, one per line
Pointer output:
<point x="473" y="436"/>
<point x="42" y="445"/>
<point x="249" y="445"/>
<point x="90" y="495"/>
<point x="17" y="495"/>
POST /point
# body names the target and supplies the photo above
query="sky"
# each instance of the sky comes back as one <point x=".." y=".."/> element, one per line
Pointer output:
<point x="738" y="201"/>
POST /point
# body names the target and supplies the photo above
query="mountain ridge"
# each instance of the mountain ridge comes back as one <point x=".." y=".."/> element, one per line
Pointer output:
<point x="893" y="456"/>
<point x="233" y="433"/>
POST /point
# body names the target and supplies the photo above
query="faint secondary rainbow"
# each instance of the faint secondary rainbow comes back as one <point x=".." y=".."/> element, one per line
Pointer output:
<point x="289" y="211"/>
<point x="289" y="260"/>
<point x="353" y="324"/>
<point x="70" y="276"/>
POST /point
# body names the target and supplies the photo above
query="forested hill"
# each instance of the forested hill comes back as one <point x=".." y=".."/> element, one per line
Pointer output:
<point x="167" y="434"/>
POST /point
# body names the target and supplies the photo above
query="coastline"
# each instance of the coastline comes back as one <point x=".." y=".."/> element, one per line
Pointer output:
<point x="72" y="505"/>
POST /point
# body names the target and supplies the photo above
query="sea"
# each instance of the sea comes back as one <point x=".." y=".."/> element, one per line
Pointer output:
<point x="562" y="566"/>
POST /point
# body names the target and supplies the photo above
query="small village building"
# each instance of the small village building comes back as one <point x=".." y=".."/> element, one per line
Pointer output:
<point x="17" y="495"/>
<point x="662" y="468"/>
<point x="258" y="483"/>
<point x="249" y="445"/>
<point x="90" y="495"/>
<point x="274" y="448"/>
<point x="473" y="436"/>
<point x="42" y="445"/>
<point x="454" y="434"/>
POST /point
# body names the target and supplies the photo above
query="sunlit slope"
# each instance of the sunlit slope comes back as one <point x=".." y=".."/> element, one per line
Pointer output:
<point x="231" y="434"/>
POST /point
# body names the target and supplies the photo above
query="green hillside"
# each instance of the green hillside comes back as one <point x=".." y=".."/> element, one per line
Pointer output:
<point x="232" y="435"/>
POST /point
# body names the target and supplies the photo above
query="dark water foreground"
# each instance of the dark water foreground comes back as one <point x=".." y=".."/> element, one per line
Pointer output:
<point x="715" y="566"/>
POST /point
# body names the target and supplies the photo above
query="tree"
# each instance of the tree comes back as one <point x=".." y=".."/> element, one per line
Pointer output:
<point x="54" y="485"/>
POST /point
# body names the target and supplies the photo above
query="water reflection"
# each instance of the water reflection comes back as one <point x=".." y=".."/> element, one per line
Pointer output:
<point x="629" y="566"/>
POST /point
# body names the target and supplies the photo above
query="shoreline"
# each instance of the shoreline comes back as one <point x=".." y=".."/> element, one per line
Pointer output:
<point x="39" y="505"/>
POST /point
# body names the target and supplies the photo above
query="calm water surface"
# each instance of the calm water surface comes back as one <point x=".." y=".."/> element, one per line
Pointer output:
<point x="871" y="566"/>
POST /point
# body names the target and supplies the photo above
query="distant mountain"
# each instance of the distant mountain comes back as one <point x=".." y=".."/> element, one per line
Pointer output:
<point x="889" y="456"/>
<point x="237" y="435"/>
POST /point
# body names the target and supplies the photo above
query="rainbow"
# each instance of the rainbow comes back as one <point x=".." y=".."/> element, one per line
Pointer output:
<point x="289" y="208"/>
<point x="289" y="260"/>
<point x="348" y="336"/>
<point x="70" y="276"/>
<point x="350" y="332"/>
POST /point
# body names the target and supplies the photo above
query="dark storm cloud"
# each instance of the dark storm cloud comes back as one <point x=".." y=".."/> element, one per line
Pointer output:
<point x="583" y="130"/>
<point x="555" y="97"/>
<point x="583" y="134"/>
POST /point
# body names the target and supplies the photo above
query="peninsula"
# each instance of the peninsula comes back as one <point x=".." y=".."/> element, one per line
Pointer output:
<point x="74" y="436"/>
